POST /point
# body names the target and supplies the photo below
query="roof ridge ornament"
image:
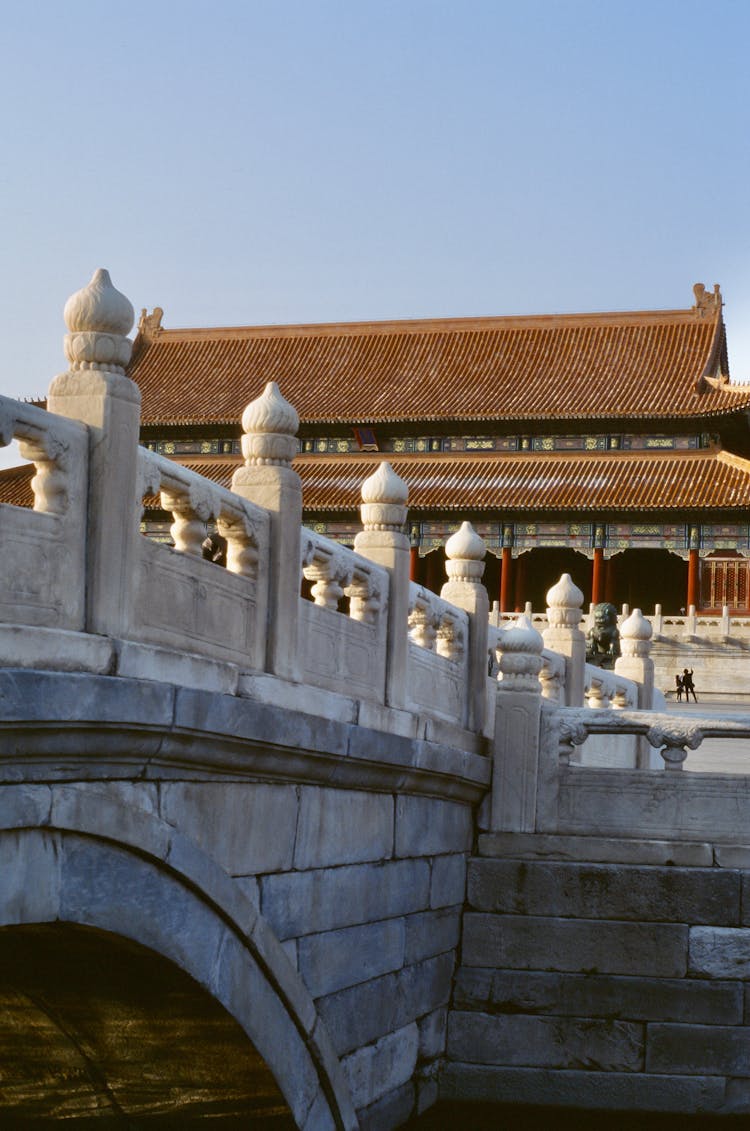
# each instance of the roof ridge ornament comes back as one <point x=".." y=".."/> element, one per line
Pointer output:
<point x="705" y="301"/>
<point x="149" y="325"/>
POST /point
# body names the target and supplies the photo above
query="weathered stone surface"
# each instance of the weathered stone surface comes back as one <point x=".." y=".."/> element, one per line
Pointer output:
<point x="121" y="810"/>
<point x="618" y="1091"/>
<point x="23" y="646"/>
<point x="720" y="952"/>
<point x="604" y="891"/>
<point x="302" y="903"/>
<point x="145" y="661"/>
<point x="71" y="698"/>
<point x="361" y="1014"/>
<point x="29" y="876"/>
<point x="24" y="805"/>
<point x="337" y="959"/>
<point x="599" y="995"/>
<point x="242" y="988"/>
<point x="732" y="856"/>
<point x="319" y="1117"/>
<point x="583" y="946"/>
<point x="448" y="880"/>
<point x="604" y="850"/>
<point x="549" y="1042"/>
<point x="338" y="826"/>
<point x="392" y="1110"/>
<point x="297" y="697"/>
<point x="432" y="932"/>
<point x="233" y="717"/>
<point x="708" y="807"/>
<point x="425" y="827"/>
<point x="699" y="1050"/>
<point x="377" y="1069"/>
<point x="103" y="886"/>
<point x="432" y="1034"/>
<point x="247" y="828"/>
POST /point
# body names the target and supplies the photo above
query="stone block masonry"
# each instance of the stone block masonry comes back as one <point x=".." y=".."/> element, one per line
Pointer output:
<point x="601" y="985"/>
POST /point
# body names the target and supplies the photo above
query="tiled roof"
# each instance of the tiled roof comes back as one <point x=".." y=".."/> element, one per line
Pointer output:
<point x="590" y="482"/>
<point x="585" y="482"/>
<point x="581" y="482"/>
<point x="632" y="365"/>
<point x="15" y="485"/>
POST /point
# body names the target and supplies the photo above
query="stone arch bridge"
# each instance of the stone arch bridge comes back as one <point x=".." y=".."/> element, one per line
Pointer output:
<point x="393" y="852"/>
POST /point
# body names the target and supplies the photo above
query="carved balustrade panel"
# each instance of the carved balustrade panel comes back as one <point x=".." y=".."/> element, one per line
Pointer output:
<point x="186" y="602"/>
<point x="342" y="630"/>
<point x="43" y="572"/>
<point x="437" y="667"/>
<point x="552" y="677"/>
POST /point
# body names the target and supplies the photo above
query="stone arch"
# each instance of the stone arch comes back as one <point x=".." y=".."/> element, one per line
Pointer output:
<point x="93" y="1025"/>
<point x="73" y="855"/>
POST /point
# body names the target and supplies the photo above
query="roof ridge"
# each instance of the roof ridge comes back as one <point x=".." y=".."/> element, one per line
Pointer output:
<point x="431" y="324"/>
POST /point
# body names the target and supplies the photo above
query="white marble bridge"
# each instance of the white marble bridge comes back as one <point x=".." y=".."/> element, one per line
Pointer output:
<point x="314" y="807"/>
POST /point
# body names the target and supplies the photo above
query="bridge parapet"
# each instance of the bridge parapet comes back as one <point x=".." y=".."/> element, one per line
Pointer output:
<point x="42" y="579"/>
<point x="79" y="562"/>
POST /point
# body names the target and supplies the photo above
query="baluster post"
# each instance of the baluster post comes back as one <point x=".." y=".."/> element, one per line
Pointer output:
<point x="635" y="663"/>
<point x="96" y="391"/>
<point x="465" y="552"/>
<point x="383" y="510"/>
<point x="518" y="711"/>
<point x="269" y="445"/>
<point x="563" y="634"/>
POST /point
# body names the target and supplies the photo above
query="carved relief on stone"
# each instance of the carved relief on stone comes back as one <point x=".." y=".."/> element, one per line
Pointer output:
<point x="384" y="499"/>
<point x="423" y="621"/>
<point x="270" y="425"/>
<point x="98" y="318"/>
<point x="465" y="552"/>
<point x="520" y="656"/>
<point x="564" y="602"/>
<point x="50" y="484"/>
<point x="635" y="635"/>
<point x="331" y="568"/>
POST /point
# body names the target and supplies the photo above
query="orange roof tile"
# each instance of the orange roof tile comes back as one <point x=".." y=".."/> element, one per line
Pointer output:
<point x="580" y="481"/>
<point x="579" y="366"/>
<point x="696" y="481"/>
<point x="612" y="481"/>
<point x="15" y="485"/>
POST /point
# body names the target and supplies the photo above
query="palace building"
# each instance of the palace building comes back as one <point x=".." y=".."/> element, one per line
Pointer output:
<point x="610" y="446"/>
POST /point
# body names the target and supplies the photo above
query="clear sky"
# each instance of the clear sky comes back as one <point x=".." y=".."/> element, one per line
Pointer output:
<point x="323" y="160"/>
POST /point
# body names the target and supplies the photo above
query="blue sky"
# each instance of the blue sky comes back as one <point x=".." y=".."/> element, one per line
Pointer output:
<point x="241" y="163"/>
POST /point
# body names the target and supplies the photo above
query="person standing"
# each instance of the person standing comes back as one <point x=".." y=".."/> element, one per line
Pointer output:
<point x="678" y="687"/>
<point x="687" y="684"/>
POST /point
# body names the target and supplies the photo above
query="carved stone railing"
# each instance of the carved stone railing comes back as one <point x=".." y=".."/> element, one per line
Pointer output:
<point x="43" y="569"/>
<point x="414" y="660"/>
<point x="672" y="736"/>
<point x="575" y="798"/>
<point x="184" y="602"/>
<point x="603" y="688"/>
<point x="552" y="677"/>
<point x="342" y="638"/>
<point x="438" y="650"/>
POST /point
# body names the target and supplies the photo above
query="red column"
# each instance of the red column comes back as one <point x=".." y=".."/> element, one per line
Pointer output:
<point x="506" y="576"/>
<point x="693" y="592"/>
<point x="520" y="586"/>
<point x="414" y="563"/>
<point x="597" y="577"/>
